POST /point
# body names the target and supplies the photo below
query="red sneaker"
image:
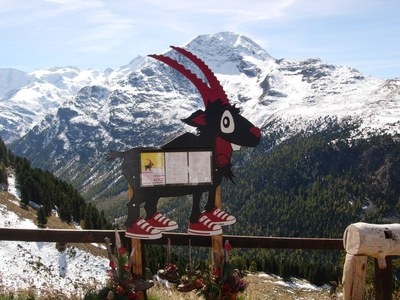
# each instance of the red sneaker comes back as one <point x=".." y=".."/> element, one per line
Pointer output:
<point x="142" y="230"/>
<point x="204" y="227"/>
<point x="220" y="217"/>
<point x="162" y="223"/>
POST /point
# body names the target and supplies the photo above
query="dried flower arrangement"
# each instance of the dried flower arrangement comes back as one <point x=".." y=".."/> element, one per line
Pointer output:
<point x="122" y="283"/>
<point x="217" y="282"/>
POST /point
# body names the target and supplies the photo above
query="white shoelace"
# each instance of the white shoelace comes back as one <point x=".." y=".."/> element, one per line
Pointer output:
<point x="220" y="214"/>
<point x="207" y="222"/>
<point x="162" y="219"/>
<point x="145" y="226"/>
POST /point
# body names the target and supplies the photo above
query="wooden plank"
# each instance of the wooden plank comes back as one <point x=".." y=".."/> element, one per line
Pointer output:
<point x="178" y="239"/>
<point x="136" y="253"/>
<point x="217" y="253"/>
<point x="284" y="243"/>
<point x="137" y="262"/>
<point x="56" y="235"/>
<point x="218" y="196"/>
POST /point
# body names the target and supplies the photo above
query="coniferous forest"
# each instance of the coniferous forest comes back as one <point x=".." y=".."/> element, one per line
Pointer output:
<point x="50" y="193"/>
<point x="313" y="184"/>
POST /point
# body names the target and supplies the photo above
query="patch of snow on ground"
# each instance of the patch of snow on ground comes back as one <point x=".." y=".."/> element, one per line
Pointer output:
<point x="295" y="283"/>
<point x="41" y="267"/>
<point x="298" y="284"/>
<point x="12" y="187"/>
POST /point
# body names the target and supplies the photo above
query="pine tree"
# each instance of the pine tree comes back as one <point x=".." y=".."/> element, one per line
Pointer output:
<point x="25" y="189"/>
<point x="88" y="219"/>
<point x="3" y="175"/>
<point x="64" y="212"/>
<point x="4" y="157"/>
<point x="76" y="209"/>
<point x="41" y="217"/>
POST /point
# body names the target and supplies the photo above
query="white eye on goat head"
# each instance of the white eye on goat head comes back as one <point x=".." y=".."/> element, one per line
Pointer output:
<point x="227" y="123"/>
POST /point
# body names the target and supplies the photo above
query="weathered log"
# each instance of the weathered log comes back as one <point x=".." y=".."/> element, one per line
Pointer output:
<point x="353" y="280"/>
<point x="376" y="240"/>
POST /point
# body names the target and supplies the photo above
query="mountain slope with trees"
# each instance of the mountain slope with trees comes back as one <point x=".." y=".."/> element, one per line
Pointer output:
<point x="313" y="184"/>
<point x="49" y="192"/>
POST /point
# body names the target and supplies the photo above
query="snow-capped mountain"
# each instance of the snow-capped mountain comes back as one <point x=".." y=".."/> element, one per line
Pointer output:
<point x="145" y="105"/>
<point x="25" y="98"/>
<point x="11" y="79"/>
<point x="300" y="92"/>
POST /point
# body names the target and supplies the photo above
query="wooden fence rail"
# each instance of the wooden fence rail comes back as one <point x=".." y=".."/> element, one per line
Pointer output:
<point x="177" y="239"/>
<point x="382" y="292"/>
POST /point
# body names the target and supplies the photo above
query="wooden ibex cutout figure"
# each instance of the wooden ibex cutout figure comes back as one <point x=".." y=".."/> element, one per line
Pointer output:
<point x="220" y="128"/>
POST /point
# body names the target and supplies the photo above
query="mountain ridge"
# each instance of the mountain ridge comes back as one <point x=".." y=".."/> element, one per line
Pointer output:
<point x="27" y="98"/>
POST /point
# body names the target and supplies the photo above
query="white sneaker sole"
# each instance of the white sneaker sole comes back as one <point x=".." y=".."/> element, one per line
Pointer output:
<point x="225" y="223"/>
<point x="167" y="228"/>
<point x="205" y="233"/>
<point x="144" y="236"/>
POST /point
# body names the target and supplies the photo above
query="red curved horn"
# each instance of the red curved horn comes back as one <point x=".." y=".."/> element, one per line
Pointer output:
<point x="198" y="83"/>
<point x="208" y="93"/>
<point x="215" y="86"/>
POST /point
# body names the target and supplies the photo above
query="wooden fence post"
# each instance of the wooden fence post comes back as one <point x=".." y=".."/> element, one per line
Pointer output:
<point x="353" y="280"/>
<point x="383" y="280"/>
<point x="216" y="240"/>
<point x="136" y="253"/>
<point x="379" y="241"/>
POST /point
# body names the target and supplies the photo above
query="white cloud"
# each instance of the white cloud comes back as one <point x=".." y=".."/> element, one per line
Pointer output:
<point x="68" y="5"/>
<point x="103" y="38"/>
<point x="239" y="11"/>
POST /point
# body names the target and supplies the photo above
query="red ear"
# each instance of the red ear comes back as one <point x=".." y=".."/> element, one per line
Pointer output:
<point x="197" y="119"/>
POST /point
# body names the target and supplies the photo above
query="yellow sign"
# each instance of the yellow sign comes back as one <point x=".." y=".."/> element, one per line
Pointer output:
<point x="152" y="168"/>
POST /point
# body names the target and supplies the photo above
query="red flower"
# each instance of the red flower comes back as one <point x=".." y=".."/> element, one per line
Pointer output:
<point x="113" y="264"/>
<point x="227" y="247"/>
<point x="126" y="267"/>
<point x="199" y="282"/>
<point x="226" y="289"/>
<point x="120" y="290"/>
<point x="121" y="250"/>
<point x="170" y="267"/>
<point x="217" y="272"/>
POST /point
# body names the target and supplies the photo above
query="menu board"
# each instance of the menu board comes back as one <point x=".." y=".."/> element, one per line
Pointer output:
<point x="175" y="168"/>
<point x="199" y="167"/>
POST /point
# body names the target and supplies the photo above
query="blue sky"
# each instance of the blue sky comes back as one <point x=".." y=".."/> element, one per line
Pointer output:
<point x="37" y="34"/>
